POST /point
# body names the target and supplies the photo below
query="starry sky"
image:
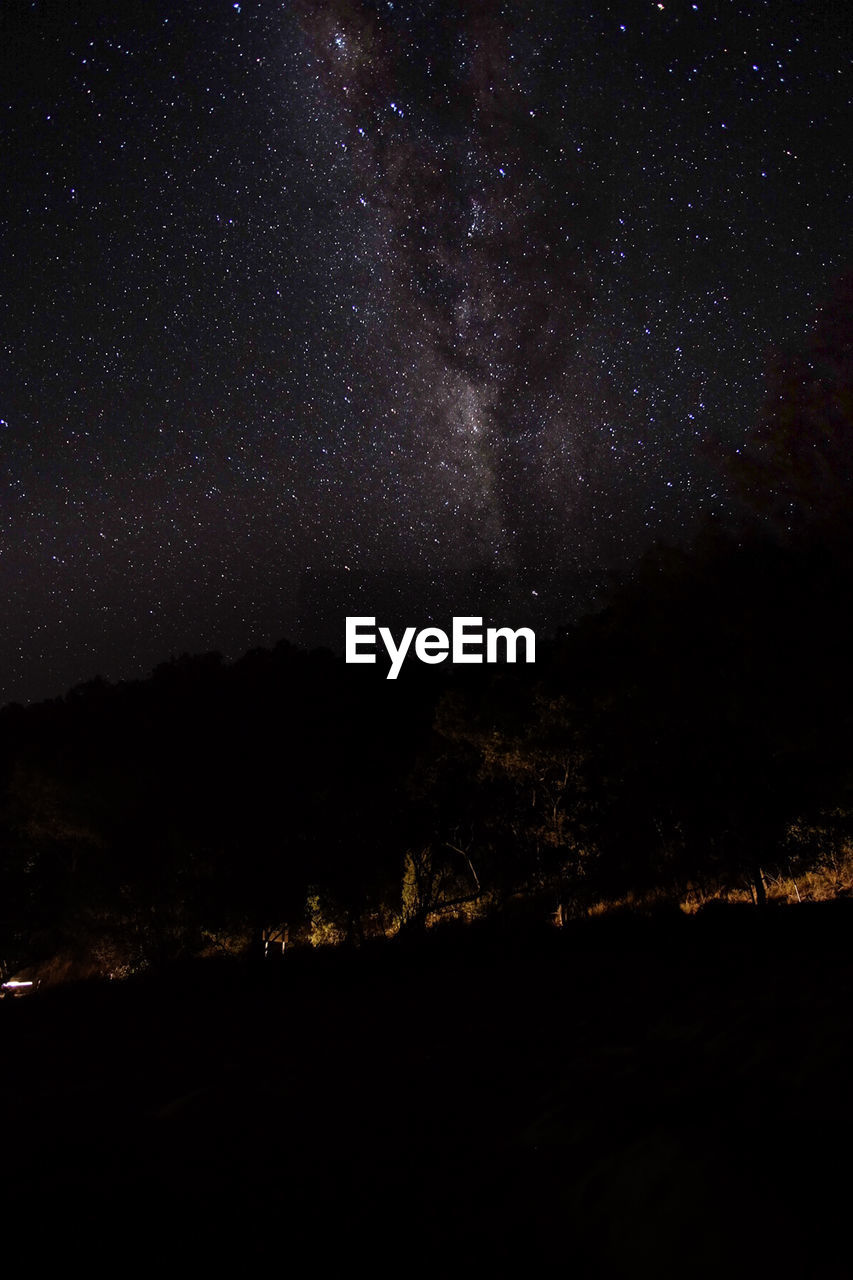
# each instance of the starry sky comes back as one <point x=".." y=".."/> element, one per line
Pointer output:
<point x="412" y="308"/>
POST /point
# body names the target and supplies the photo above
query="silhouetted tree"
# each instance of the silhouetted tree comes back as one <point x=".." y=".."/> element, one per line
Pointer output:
<point x="797" y="464"/>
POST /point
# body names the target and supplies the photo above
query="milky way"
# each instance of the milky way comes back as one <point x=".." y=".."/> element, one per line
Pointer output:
<point x="320" y="308"/>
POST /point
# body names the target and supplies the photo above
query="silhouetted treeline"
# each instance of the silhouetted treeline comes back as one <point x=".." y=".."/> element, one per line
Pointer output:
<point x="694" y="736"/>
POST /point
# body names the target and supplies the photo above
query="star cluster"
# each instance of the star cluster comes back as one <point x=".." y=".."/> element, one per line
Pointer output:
<point x="333" y="307"/>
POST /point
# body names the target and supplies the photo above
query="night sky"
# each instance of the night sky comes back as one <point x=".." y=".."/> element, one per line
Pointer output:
<point x="402" y="308"/>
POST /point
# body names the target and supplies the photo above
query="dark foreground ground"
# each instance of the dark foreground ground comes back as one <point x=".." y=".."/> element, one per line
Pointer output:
<point x="631" y="1098"/>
